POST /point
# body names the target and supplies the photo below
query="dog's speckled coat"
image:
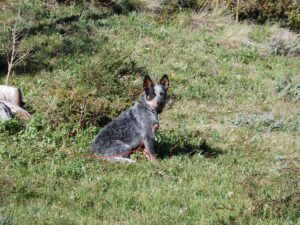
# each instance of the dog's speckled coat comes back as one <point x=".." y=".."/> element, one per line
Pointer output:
<point x="135" y="126"/>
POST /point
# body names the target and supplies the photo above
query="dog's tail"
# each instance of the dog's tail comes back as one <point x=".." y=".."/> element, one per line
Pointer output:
<point x="120" y="160"/>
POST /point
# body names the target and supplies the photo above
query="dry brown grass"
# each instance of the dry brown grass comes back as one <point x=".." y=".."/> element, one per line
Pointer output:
<point x="207" y="17"/>
<point x="237" y="35"/>
<point x="148" y="5"/>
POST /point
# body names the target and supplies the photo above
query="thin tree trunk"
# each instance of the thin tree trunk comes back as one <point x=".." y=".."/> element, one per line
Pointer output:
<point x="8" y="74"/>
<point x="237" y="11"/>
<point x="12" y="57"/>
<point x="11" y="63"/>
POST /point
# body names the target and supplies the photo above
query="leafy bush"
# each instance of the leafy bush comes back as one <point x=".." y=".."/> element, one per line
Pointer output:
<point x="286" y="11"/>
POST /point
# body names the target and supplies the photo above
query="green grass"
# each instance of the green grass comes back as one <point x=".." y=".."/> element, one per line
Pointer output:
<point x="229" y="139"/>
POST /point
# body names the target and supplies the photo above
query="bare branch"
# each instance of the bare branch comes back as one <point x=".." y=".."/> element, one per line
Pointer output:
<point x="21" y="58"/>
<point x="18" y="35"/>
<point x="15" y="54"/>
<point x="4" y="51"/>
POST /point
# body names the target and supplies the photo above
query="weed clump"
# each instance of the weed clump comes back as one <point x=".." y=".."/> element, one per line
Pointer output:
<point x="259" y="122"/>
<point x="288" y="89"/>
<point x="11" y="127"/>
<point x="284" y="42"/>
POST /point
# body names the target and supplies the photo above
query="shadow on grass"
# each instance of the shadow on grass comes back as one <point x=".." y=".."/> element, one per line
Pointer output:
<point x="69" y="27"/>
<point x="52" y="27"/>
<point x="167" y="148"/>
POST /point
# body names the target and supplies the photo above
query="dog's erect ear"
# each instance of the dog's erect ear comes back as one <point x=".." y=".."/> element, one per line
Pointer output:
<point x="164" y="81"/>
<point x="148" y="83"/>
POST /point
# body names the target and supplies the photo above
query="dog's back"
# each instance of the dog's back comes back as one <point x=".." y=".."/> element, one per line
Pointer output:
<point x="120" y="135"/>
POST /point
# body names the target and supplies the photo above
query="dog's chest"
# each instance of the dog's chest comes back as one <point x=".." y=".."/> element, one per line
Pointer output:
<point x="155" y="124"/>
<point x="147" y="119"/>
<point x="150" y="122"/>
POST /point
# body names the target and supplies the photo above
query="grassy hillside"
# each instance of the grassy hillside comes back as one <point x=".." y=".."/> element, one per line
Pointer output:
<point x="229" y="139"/>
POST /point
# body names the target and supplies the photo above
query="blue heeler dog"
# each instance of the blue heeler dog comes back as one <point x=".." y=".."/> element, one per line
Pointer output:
<point x="136" y="126"/>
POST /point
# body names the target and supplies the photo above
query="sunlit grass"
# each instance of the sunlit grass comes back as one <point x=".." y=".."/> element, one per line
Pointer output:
<point x="228" y="144"/>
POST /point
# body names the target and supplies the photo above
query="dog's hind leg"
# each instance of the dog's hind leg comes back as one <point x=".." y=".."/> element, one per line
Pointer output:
<point x="149" y="149"/>
<point x="123" y="147"/>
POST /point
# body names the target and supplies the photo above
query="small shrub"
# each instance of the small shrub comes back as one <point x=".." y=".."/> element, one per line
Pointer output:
<point x="286" y="88"/>
<point x="284" y="42"/>
<point x="5" y="220"/>
<point x="11" y="127"/>
<point x="247" y="55"/>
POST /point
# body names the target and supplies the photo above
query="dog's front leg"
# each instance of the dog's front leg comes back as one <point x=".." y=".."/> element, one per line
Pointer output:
<point x="149" y="149"/>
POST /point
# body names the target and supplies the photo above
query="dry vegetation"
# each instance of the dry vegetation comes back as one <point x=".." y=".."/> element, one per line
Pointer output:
<point x="283" y="42"/>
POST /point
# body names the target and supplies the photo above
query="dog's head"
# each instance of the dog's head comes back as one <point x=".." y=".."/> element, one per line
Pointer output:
<point x="156" y="94"/>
